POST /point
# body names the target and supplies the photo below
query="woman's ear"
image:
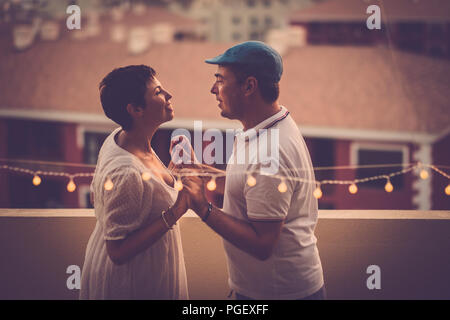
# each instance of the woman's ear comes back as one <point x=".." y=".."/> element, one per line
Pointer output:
<point x="134" y="111"/>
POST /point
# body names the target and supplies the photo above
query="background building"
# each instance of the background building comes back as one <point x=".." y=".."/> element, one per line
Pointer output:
<point x="413" y="25"/>
<point x="239" y="20"/>
<point x="355" y="104"/>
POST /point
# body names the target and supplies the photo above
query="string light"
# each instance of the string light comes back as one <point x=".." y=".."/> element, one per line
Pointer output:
<point x="282" y="187"/>
<point x="211" y="185"/>
<point x="318" y="192"/>
<point x="146" y="175"/>
<point x="178" y="184"/>
<point x="353" y="188"/>
<point x="251" y="181"/>
<point x="423" y="174"/>
<point x="37" y="180"/>
<point x="108" y="184"/>
<point x="71" y="186"/>
<point x="389" y="187"/>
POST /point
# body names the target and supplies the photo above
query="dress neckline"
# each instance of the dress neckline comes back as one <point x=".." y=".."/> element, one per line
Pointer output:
<point x="116" y="132"/>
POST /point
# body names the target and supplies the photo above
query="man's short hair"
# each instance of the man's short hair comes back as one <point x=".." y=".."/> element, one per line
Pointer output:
<point x="123" y="86"/>
<point x="269" y="89"/>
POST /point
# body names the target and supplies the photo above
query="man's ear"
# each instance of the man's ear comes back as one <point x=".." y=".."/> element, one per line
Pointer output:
<point x="250" y="86"/>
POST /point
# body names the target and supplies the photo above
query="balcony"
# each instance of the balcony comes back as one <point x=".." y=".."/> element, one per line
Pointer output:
<point x="410" y="247"/>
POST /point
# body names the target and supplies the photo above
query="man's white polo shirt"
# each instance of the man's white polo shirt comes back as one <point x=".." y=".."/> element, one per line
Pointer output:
<point x="294" y="270"/>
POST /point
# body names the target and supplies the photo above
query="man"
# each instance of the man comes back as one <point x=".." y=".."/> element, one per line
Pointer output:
<point x="268" y="234"/>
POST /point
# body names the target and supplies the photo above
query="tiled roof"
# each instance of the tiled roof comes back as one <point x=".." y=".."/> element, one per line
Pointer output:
<point x="391" y="10"/>
<point x="338" y="87"/>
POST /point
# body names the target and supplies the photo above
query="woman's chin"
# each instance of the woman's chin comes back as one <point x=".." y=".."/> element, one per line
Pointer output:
<point x="170" y="115"/>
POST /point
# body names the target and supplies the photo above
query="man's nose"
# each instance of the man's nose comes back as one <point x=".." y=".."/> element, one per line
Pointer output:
<point x="214" y="89"/>
<point x="168" y="96"/>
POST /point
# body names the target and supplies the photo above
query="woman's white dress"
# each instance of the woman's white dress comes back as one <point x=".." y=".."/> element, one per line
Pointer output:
<point x="156" y="273"/>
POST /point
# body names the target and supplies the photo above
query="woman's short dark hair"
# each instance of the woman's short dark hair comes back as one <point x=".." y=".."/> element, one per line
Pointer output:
<point x="124" y="86"/>
<point x="269" y="90"/>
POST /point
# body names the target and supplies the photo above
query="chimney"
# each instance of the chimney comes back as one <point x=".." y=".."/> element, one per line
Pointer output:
<point x="283" y="39"/>
<point x="139" y="40"/>
<point x="163" y="33"/>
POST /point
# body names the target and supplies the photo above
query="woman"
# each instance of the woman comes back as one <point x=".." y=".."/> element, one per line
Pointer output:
<point x="135" y="250"/>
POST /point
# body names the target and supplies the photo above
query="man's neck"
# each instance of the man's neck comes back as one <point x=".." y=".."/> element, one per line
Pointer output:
<point x="258" y="114"/>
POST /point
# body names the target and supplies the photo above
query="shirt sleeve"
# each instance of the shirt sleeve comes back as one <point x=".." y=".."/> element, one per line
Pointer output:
<point x="264" y="201"/>
<point x="123" y="211"/>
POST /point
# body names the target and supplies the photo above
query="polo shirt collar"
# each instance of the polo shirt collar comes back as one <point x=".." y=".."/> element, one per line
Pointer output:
<point x="265" y="124"/>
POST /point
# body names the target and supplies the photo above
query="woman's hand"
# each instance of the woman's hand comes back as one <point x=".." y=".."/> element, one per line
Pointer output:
<point x="182" y="204"/>
<point x="197" y="199"/>
<point x="180" y="144"/>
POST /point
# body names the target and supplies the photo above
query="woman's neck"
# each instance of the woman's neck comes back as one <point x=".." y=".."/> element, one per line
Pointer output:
<point x="137" y="140"/>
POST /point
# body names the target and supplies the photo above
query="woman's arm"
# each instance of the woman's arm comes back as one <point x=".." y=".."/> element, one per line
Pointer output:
<point x="123" y="250"/>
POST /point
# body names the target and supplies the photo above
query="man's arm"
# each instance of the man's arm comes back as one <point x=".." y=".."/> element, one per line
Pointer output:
<point x="257" y="238"/>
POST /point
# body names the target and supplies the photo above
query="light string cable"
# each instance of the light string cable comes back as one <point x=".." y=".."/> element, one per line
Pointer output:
<point x="288" y="174"/>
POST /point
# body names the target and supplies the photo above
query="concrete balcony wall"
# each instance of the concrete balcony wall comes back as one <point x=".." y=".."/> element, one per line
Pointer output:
<point x="412" y="249"/>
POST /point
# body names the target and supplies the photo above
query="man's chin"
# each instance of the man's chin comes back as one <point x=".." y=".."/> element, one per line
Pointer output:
<point x="225" y="115"/>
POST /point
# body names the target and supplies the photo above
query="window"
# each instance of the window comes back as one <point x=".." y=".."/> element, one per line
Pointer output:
<point x="379" y="154"/>
<point x="35" y="140"/>
<point x="323" y="154"/>
<point x="253" y="21"/>
<point x="268" y="21"/>
<point x="267" y="3"/>
<point x="254" y="36"/>
<point x="236" y="20"/>
<point x="236" y="36"/>
<point x="251" y="3"/>
<point x="92" y="143"/>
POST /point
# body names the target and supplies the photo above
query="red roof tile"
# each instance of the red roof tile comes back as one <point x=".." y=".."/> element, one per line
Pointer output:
<point x="339" y="87"/>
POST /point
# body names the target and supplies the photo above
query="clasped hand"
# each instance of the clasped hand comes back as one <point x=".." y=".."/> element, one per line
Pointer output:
<point x="192" y="196"/>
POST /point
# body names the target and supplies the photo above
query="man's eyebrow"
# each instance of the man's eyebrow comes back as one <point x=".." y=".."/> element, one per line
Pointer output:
<point x="218" y="75"/>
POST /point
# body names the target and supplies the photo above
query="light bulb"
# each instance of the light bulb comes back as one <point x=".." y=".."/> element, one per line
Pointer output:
<point x="447" y="190"/>
<point x="178" y="185"/>
<point x="37" y="180"/>
<point x="389" y="187"/>
<point x="71" y="186"/>
<point x="211" y="185"/>
<point x="146" y="175"/>
<point x="251" y="181"/>
<point x="423" y="174"/>
<point x="282" y="187"/>
<point x="108" y="185"/>
<point x="353" y="188"/>
<point x="317" y="193"/>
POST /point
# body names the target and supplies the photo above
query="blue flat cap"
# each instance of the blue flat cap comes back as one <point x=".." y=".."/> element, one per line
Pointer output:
<point x="256" y="55"/>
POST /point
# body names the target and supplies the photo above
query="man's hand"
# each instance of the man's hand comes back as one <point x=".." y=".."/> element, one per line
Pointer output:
<point x="195" y="187"/>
